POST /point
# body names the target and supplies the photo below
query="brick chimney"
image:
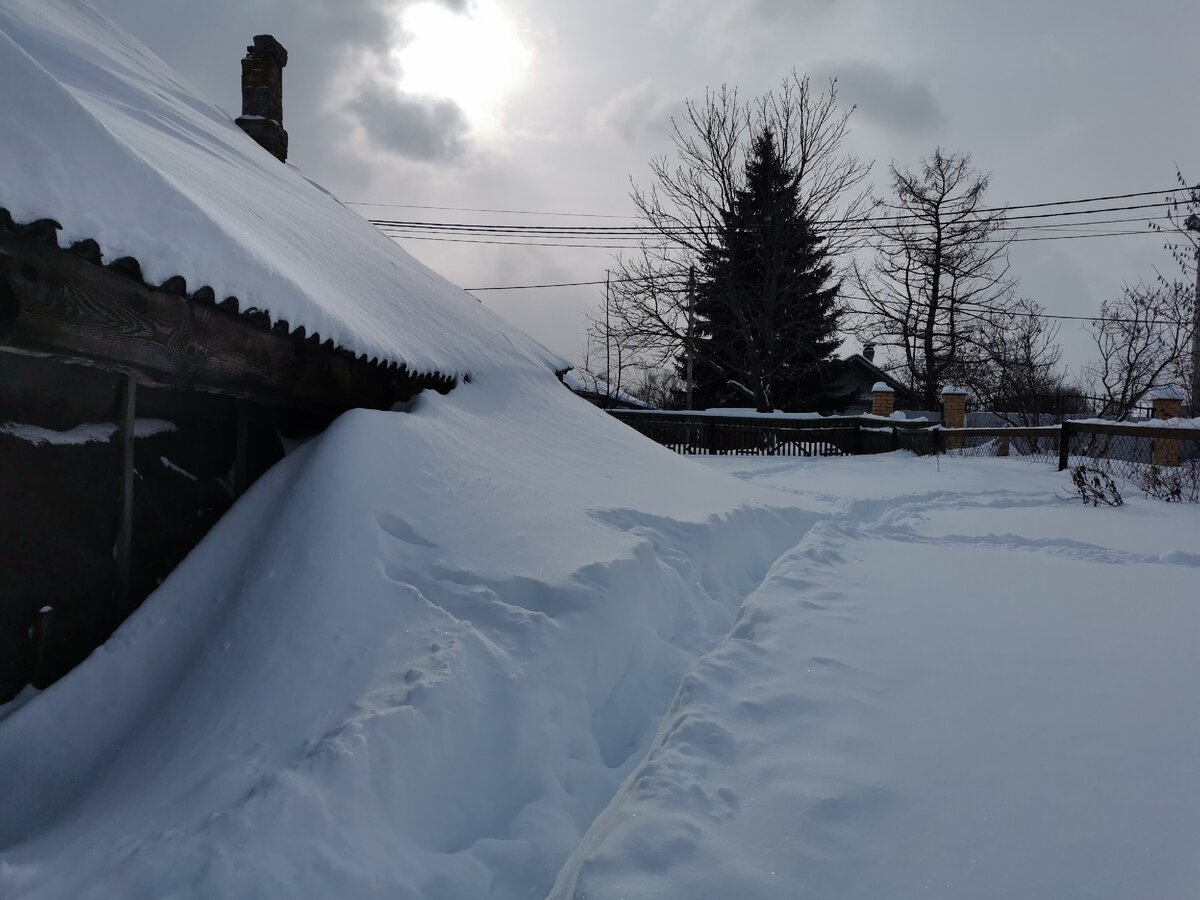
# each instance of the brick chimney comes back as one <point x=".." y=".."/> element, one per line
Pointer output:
<point x="869" y="352"/>
<point x="262" y="95"/>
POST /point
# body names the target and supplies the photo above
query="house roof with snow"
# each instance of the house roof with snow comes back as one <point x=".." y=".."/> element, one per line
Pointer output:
<point x="861" y="375"/>
<point x="105" y="149"/>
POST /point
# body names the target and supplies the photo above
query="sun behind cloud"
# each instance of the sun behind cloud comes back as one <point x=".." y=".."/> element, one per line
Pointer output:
<point x="476" y="58"/>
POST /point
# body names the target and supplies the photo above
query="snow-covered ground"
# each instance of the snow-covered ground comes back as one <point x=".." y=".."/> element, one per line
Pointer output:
<point x="957" y="685"/>
<point x="504" y="647"/>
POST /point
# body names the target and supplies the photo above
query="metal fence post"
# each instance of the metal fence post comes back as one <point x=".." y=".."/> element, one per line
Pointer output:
<point x="1064" y="445"/>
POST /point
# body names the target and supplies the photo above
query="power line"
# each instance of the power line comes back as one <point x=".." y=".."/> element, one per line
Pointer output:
<point x="530" y="287"/>
<point x="632" y="234"/>
<point x="866" y="223"/>
<point x="967" y="307"/>
<point x="974" y="310"/>
<point x="416" y="237"/>
<point x="514" y="212"/>
<point x="593" y="246"/>
<point x="826" y="225"/>
<point x="527" y="212"/>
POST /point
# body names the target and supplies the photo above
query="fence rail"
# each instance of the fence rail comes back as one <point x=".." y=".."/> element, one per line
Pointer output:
<point x="747" y="436"/>
<point x="1156" y="459"/>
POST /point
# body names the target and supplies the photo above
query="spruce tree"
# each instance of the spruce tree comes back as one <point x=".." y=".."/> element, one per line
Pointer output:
<point x="766" y="312"/>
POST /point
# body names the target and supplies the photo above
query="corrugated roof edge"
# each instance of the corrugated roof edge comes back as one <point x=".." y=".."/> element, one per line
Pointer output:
<point x="129" y="267"/>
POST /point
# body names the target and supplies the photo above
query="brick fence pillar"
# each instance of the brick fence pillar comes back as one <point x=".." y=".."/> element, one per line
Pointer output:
<point x="1166" y="405"/>
<point x="954" y="412"/>
<point x="883" y="400"/>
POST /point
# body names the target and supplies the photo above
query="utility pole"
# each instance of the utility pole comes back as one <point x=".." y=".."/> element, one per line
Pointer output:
<point x="1192" y="223"/>
<point x="691" y="324"/>
<point x="607" y="338"/>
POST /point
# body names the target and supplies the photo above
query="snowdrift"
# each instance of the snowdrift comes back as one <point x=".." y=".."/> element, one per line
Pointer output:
<point x="416" y="660"/>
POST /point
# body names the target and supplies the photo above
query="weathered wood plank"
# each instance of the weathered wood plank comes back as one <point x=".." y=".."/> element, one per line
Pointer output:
<point x="57" y="304"/>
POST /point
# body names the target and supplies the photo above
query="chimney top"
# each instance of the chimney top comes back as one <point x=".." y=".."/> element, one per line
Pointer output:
<point x="262" y="95"/>
<point x="266" y="47"/>
<point x="869" y="352"/>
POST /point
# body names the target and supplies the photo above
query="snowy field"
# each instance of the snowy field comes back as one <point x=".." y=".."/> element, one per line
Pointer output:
<point x="957" y="685"/>
<point x="564" y="661"/>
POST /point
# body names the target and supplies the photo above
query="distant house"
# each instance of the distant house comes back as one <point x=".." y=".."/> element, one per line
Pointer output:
<point x="861" y="374"/>
<point x="177" y="309"/>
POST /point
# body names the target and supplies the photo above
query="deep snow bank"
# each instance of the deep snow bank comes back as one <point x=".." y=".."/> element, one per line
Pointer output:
<point x="101" y="135"/>
<point x="415" y="660"/>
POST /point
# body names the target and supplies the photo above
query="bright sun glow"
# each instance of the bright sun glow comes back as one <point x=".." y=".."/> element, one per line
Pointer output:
<point x="475" y="59"/>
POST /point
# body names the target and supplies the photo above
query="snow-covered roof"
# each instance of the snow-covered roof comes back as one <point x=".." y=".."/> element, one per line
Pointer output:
<point x="583" y="381"/>
<point x="871" y="370"/>
<point x="100" y="135"/>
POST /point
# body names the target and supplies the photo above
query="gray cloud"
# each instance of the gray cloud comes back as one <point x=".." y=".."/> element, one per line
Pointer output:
<point x="742" y="24"/>
<point x="636" y="113"/>
<point x="420" y="128"/>
<point x="324" y="38"/>
<point x="900" y="104"/>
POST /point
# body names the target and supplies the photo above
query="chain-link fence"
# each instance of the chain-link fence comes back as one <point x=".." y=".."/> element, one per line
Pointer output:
<point x="1038" y="445"/>
<point x="1160" y="462"/>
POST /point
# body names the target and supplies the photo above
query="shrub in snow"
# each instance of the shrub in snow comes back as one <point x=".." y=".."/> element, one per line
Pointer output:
<point x="1095" y="486"/>
<point x="1172" y="484"/>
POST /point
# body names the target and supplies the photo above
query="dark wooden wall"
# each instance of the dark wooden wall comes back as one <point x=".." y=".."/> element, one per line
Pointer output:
<point x="88" y="530"/>
<point x="59" y="503"/>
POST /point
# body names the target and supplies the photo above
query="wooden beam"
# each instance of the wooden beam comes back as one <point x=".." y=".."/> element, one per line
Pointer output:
<point x="1005" y="431"/>
<point x="55" y="303"/>
<point x="123" y="550"/>
<point x="1143" y="431"/>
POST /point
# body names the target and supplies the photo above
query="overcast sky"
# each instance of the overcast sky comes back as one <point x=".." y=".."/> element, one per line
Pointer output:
<point x="553" y="106"/>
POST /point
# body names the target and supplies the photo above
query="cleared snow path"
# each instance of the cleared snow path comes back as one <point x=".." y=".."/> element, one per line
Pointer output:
<point x="967" y="689"/>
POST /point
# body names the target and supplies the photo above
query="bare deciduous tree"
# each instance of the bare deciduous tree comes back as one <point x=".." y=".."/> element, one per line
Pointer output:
<point x="658" y="388"/>
<point x="692" y="194"/>
<point x="1017" y="372"/>
<point x="940" y="271"/>
<point x="1141" y="337"/>
<point x="1182" y="232"/>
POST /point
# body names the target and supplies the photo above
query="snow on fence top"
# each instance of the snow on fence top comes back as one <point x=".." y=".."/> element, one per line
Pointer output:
<point x="100" y="135"/>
